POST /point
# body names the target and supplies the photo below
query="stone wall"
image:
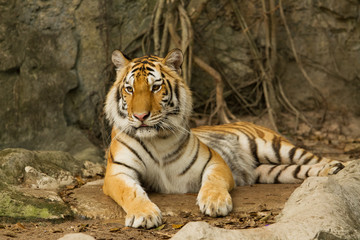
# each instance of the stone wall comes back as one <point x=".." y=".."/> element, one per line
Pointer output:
<point x="55" y="57"/>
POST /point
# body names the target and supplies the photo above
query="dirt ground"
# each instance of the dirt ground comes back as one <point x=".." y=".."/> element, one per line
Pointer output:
<point x="254" y="206"/>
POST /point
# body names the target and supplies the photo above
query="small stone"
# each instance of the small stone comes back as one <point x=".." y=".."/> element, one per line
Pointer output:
<point x="76" y="236"/>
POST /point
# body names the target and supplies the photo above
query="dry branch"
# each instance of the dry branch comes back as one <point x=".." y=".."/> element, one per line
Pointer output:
<point x="268" y="87"/>
<point x="157" y="18"/>
<point x="221" y="108"/>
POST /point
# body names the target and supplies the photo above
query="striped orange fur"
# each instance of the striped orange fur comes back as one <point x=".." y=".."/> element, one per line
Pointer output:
<point x="153" y="148"/>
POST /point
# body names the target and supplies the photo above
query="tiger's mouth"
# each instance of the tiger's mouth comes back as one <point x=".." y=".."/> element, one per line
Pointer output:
<point x="144" y="126"/>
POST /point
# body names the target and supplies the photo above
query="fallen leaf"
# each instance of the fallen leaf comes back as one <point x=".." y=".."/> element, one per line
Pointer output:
<point x="83" y="227"/>
<point x="19" y="225"/>
<point x="115" y="229"/>
<point x="160" y="227"/>
<point x="70" y="187"/>
<point x="80" y="180"/>
<point x="177" y="226"/>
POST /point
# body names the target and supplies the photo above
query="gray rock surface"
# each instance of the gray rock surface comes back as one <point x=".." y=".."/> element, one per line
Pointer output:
<point x="30" y="181"/>
<point x="321" y="208"/>
<point x="77" y="236"/>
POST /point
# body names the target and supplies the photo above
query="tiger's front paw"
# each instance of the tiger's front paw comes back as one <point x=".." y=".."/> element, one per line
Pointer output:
<point x="146" y="215"/>
<point x="214" y="202"/>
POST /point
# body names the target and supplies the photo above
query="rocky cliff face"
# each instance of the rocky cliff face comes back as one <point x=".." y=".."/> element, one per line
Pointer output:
<point x="55" y="55"/>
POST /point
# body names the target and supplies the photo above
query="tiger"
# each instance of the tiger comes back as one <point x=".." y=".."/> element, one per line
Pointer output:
<point x="153" y="148"/>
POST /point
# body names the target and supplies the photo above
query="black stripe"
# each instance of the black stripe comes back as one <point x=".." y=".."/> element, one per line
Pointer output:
<point x="271" y="169"/>
<point x="182" y="144"/>
<point x="138" y="174"/>
<point x="307" y="160"/>
<point x="170" y="89"/>
<point x="121" y="173"/>
<point x="111" y="156"/>
<point x="151" y="64"/>
<point x="291" y="154"/>
<point x="296" y="172"/>
<point x="207" y="162"/>
<point x="317" y="174"/>
<point x="243" y="129"/>
<point x="220" y="131"/>
<point x="276" y="147"/>
<point x="269" y="161"/>
<point x="276" y="180"/>
<point x="151" y="74"/>
<point x="175" y="111"/>
<point x="253" y="148"/>
<point x="118" y="97"/>
<point x="150" y="69"/>
<point x="192" y="161"/>
<point x="307" y="172"/>
<point x="132" y="150"/>
<point x="257" y="179"/>
<point x="125" y="165"/>
<point x="147" y="150"/>
<point x="134" y="70"/>
<point x="302" y="154"/>
<point x="118" y="94"/>
<point x="210" y="142"/>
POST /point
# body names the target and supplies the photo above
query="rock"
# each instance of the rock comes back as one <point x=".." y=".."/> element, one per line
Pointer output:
<point x="19" y="164"/>
<point x="30" y="181"/>
<point x="39" y="50"/>
<point x="321" y="208"/>
<point x="37" y="179"/>
<point x="90" y="202"/>
<point x="17" y="204"/>
<point x="92" y="169"/>
<point x="76" y="236"/>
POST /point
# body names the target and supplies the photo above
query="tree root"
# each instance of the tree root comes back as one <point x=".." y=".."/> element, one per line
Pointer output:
<point x="171" y="26"/>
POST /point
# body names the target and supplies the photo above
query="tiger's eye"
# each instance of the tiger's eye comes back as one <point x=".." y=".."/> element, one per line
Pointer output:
<point x="129" y="89"/>
<point x="156" y="88"/>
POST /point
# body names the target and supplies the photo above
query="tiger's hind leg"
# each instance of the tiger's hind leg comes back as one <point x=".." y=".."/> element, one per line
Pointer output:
<point x="268" y="173"/>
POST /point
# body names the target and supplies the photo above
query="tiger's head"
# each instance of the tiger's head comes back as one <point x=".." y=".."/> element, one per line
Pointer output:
<point x="149" y="98"/>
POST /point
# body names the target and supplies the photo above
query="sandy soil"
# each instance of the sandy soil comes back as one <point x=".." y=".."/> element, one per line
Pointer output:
<point x="254" y="206"/>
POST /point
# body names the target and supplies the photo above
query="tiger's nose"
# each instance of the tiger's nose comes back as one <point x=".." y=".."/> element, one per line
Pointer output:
<point x="142" y="116"/>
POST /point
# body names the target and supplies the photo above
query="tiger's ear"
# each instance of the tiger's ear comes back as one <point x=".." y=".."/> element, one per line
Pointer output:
<point x="174" y="59"/>
<point x="119" y="59"/>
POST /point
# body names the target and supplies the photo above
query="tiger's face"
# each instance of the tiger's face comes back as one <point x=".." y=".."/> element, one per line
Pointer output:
<point x="149" y="98"/>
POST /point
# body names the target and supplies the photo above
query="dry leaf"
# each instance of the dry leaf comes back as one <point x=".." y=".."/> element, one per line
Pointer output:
<point x="177" y="226"/>
<point x="115" y="229"/>
<point x="160" y="227"/>
<point x="19" y="225"/>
